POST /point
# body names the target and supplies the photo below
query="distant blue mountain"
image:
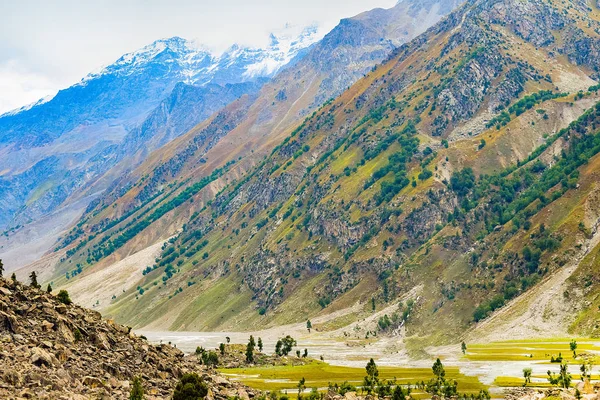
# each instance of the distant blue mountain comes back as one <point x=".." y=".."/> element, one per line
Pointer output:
<point x="62" y="148"/>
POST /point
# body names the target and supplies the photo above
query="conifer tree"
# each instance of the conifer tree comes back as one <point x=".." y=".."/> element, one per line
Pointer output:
<point x="63" y="297"/>
<point x="137" y="391"/>
<point x="250" y="350"/>
<point x="34" y="282"/>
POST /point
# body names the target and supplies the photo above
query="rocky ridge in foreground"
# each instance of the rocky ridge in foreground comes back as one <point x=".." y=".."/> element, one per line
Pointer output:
<point x="50" y="350"/>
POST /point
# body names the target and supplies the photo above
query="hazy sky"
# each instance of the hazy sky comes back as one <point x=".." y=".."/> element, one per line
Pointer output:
<point x="48" y="45"/>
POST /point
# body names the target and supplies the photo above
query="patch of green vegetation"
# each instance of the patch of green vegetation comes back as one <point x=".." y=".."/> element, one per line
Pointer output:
<point x="471" y="56"/>
<point x="509" y="381"/>
<point x="108" y="245"/>
<point x="320" y="375"/>
<point x="522" y="105"/>
<point x="397" y="165"/>
<point x="517" y="194"/>
<point x="530" y="350"/>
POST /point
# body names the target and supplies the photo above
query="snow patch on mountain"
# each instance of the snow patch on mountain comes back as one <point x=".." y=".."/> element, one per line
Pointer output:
<point x="28" y="106"/>
<point x="283" y="47"/>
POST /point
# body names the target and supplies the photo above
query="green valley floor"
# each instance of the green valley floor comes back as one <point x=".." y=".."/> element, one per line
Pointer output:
<point x="495" y="366"/>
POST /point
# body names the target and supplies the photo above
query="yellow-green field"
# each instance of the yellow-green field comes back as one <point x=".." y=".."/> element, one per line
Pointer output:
<point x="319" y="375"/>
<point x="493" y="366"/>
<point x="535" y="350"/>
<point x="538" y="352"/>
<point x="508" y="381"/>
<point x="510" y="357"/>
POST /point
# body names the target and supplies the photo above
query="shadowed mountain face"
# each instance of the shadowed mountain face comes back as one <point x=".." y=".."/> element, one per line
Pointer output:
<point x="459" y="176"/>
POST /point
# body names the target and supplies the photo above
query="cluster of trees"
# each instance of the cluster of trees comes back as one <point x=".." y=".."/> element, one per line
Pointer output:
<point x="209" y="358"/>
<point x="524" y="104"/>
<point x="397" y="165"/>
<point x="462" y="182"/>
<point x="499" y="121"/>
<point x="491" y="305"/>
<point x="170" y="254"/>
<point x="563" y="378"/>
<point x="78" y="270"/>
<point x="100" y="228"/>
<point x="109" y="244"/>
<point x="284" y="346"/>
<point x="13" y="276"/>
<point x="528" y="102"/>
<point x="510" y="192"/>
<point x="438" y="386"/>
<point x="519" y="192"/>
<point x="62" y="296"/>
<point x="386" y="323"/>
<point x="342" y="389"/>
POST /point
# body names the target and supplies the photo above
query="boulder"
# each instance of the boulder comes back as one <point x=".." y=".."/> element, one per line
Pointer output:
<point x="41" y="357"/>
<point x="242" y="394"/>
<point x="47" y="326"/>
<point x="8" y="322"/>
<point x="61" y="308"/>
<point x="27" y="394"/>
<point x="350" y="396"/>
<point x="92" y="382"/>
<point x="13" y="378"/>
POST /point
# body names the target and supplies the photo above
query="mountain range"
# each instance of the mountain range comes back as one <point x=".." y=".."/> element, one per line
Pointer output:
<point x="434" y="163"/>
<point x="60" y="153"/>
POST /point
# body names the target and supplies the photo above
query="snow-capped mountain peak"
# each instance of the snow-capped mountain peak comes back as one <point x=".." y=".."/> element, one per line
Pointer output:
<point x="195" y="64"/>
<point x="176" y="59"/>
<point x="175" y="49"/>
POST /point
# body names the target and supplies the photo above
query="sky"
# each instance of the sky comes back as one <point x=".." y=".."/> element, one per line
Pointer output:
<point x="49" y="45"/>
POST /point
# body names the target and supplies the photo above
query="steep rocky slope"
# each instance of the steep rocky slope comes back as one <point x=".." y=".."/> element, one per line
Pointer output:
<point x="465" y="166"/>
<point x="55" y="351"/>
<point x="236" y="138"/>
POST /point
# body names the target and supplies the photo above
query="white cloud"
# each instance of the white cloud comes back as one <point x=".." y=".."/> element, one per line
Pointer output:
<point x="47" y="45"/>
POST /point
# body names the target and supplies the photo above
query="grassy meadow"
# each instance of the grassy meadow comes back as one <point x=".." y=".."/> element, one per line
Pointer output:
<point x="320" y="375"/>
<point x="500" y="363"/>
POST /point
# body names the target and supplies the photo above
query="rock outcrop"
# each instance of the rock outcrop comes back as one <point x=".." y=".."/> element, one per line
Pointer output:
<point x="49" y="350"/>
